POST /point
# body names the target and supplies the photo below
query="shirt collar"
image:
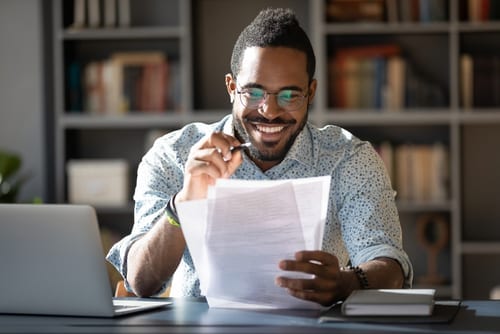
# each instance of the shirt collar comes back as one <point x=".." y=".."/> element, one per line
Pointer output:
<point x="302" y="149"/>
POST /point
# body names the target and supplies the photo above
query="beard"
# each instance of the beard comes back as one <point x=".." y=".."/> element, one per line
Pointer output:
<point x="269" y="152"/>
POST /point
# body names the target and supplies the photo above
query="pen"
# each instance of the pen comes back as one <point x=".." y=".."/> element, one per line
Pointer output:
<point x="240" y="147"/>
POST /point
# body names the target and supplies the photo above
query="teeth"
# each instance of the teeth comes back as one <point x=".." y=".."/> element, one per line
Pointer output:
<point x="269" y="129"/>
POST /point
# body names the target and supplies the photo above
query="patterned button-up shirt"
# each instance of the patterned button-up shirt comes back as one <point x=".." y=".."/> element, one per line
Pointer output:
<point x="362" y="221"/>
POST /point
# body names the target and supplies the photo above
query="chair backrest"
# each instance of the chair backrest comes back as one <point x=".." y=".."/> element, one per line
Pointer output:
<point x="120" y="291"/>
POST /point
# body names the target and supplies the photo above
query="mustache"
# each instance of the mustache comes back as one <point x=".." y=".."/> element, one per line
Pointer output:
<point x="264" y="120"/>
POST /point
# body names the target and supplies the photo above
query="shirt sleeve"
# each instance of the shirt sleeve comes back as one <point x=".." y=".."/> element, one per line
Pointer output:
<point x="367" y="211"/>
<point x="159" y="176"/>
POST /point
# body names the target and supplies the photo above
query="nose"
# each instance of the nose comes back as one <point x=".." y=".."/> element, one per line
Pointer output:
<point x="270" y="108"/>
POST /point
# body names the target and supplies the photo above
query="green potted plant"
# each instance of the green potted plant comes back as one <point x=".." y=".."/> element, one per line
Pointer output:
<point x="10" y="181"/>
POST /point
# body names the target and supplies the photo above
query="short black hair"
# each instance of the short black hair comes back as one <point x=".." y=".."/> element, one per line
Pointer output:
<point x="274" y="27"/>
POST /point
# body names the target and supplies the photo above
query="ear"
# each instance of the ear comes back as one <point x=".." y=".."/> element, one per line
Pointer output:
<point x="230" y="86"/>
<point x="312" y="90"/>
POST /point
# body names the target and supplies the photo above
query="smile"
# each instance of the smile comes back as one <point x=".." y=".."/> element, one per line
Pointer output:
<point x="269" y="129"/>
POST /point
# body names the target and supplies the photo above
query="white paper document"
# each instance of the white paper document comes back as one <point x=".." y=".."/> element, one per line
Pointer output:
<point x="238" y="235"/>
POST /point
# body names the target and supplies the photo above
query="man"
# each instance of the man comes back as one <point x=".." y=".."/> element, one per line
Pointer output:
<point x="270" y="88"/>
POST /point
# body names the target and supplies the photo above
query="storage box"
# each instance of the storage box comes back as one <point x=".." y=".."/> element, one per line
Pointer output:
<point x="98" y="182"/>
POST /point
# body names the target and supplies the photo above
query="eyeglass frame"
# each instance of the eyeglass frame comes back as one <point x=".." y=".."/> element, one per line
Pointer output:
<point x="240" y="91"/>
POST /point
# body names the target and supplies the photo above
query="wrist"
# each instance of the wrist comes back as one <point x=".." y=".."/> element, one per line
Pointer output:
<point x="352" y="280"/>
<point x="360" y="277"/>
<point x="171" y="212"/>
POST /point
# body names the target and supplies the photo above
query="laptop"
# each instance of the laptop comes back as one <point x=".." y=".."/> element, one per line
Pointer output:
<point x="52" y="263"/>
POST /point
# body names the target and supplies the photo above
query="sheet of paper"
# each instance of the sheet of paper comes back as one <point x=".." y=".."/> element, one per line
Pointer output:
<point x="240" y="233"/>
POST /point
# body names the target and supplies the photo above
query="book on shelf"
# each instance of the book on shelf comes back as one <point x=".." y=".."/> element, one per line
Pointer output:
<point x="74" y="87"/>
<point x="394" y="95"/>
<point x="440" y="172"/>
<point x="149" y="82"/>
<point x="391" y="9"/>
<point x="386" y="152"/>
<point x="101" y="13"/>
<point x="480" y="10"/>
<point x="94" y="13"/>
<point x="480" y="80"/>
<point x="405" y="10"/>
<point x="357" y="75"/>
<point x="124" y="13"/>
<point x="432" y="10"/>
<point x="421" y="172"/>
<point x="110" y="13"/>
<point x="379" y="77"/>
<point x="402" y="171"/>
<point x="389" y="302"/>
<point x="125" y="82"/>
<point x="486" y="80"/>
<point x="93" y="89"/>
<point x="466" y="82"/>
<point x="355" y="10"/>
<point x="423" y="11"/>
<point x="79" y="14"/>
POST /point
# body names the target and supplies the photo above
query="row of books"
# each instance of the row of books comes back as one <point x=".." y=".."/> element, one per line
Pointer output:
<point x="480" y="80"/>
<point x="101" y="13"/>
<point x="379" y="77"/>
<point x="126" y="81"/>
<point x="480" y="10"/>
<point x="419" y="172"/>
<point x="386" y="10"/>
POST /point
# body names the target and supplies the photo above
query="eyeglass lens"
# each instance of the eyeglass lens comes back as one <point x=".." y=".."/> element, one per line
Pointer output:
<point x="287" y="99"/>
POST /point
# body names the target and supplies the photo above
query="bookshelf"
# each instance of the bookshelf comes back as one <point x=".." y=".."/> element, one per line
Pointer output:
<point x="198" y="37"/>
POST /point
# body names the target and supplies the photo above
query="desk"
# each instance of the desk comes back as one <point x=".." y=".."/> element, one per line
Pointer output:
<point x="194" y="316"/>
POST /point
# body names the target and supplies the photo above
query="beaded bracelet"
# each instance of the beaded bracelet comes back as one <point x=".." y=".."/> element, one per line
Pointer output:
<point x="360" y="274"/>
<point x="171" y="213"/>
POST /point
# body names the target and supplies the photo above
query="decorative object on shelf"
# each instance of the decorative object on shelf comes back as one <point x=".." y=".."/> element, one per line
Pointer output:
<point x="433" y="235"/>
<point x="98" y="182"/>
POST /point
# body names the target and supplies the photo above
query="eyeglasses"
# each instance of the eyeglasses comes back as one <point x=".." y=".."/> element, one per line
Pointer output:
<point x="287" y="99"/>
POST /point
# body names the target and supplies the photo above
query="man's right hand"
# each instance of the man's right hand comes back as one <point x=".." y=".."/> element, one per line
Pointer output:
<point x="208" y="160"/>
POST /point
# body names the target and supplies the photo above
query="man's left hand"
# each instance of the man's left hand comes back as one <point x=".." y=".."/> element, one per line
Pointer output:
<point x="326" y="286"/>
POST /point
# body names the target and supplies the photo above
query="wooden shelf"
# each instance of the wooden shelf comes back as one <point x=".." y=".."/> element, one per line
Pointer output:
<point x="122" y="33"/>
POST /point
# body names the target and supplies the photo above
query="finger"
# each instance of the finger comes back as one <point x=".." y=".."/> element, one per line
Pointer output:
<point x="312" y="267"/>
<point x="314" y="284"/>
<point x="321" y="291"/>
<point x="198" y="167"/>
<point x="325" y="299"/>
<point x="322" y="257"/>
<point x="207" y="161"/>
<point x="223" y="143"/>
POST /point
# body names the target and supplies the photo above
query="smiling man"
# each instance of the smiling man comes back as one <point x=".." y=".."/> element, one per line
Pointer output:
<point x="270" y="87"/>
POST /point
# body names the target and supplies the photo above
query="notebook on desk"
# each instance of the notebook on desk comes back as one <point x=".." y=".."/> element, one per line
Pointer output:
<point x="52" y="263"/>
